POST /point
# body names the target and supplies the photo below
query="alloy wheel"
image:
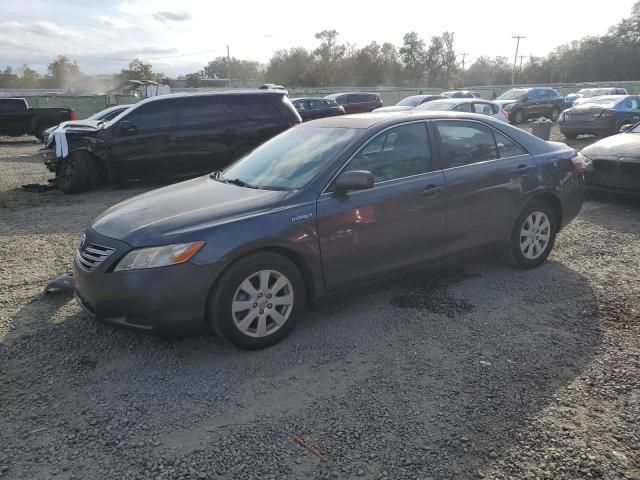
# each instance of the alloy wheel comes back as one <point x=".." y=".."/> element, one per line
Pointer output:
<point x="535" y="235"/>
<point x="262" y="303"/>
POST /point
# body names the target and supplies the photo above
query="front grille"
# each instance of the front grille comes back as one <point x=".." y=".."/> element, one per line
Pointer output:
<point x="605" y="165"/>
<point x="631" y="168"/>
<point x="91" y="256"/>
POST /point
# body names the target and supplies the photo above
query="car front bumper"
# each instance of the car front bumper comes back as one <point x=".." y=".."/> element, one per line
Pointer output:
<point x="168" y="300"/>
<point x="50" y="158"/>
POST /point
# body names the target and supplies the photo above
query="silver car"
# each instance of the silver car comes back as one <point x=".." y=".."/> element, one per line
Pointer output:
<point x="468" y="105"/>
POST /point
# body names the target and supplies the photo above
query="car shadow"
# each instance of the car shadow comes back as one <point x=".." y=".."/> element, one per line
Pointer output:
<point x="387" y="375"/>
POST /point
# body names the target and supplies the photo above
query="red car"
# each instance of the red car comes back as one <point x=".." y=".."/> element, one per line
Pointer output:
<point x="357" y="102"/>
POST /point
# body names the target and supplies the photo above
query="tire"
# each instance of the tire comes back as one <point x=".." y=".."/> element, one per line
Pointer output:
<point x="517" y="117"/>
<point x="76" y="173"/>
<point x="246" y="282"/>
<point x="555" y="114"/>
<point x="523" y="254"/>
<point x="570" y="136"/>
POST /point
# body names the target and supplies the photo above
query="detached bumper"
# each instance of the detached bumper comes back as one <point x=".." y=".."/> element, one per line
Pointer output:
<point x="168" y="300"/>
<point x="50" y="159"/>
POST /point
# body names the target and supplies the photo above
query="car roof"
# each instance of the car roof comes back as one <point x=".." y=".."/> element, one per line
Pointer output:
<point x="309" y="98"/>
<point x="459" y="100"/>
<point x="368" y="120"/>
<point x="335" y="95"/>
<point x="212" y="93"/>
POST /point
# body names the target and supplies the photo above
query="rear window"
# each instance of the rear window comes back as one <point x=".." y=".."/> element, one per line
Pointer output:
<point x="12" y="106"/>
<point x="253" y="108"/>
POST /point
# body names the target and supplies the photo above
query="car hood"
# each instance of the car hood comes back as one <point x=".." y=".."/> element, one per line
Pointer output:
<point x="623" y="145"/>
<point x="179" y="212"/>
<point x="394" y="108"/>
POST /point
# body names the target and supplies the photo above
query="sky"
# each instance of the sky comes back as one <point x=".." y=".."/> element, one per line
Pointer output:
<point x="181" y="36"/>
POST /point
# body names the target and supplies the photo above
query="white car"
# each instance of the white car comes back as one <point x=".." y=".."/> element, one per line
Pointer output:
<point x="469" y="105"/>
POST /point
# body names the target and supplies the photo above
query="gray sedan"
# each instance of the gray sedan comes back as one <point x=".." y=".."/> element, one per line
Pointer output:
<point x="322" y="207"/>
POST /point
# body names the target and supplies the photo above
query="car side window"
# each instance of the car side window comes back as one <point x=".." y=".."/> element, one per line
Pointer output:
<point x="399" y="152"/>
<point x="253" y="109"/>
<point x="484" y="108"/>
<point x="153" y="117"/>
<point x="635" y="103"/>
<point x="465" y="143"/>
<point x="463" y="107"/>
<point x="507" y="147"/>
<point x="194" y="112"/>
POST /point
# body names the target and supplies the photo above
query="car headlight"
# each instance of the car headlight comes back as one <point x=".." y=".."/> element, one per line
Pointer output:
<point x="153" y="257"/>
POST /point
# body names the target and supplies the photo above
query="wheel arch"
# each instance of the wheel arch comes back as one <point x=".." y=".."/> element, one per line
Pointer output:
<point x="311" y="288"/>
<point x="555" y="204"/>
<point x="101" y="163"/>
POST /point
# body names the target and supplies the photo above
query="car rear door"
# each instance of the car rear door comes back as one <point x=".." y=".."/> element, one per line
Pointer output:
<point x="204" y="141"/>
<point x="485" y="174"/>
<point x="143" y="142"/>
<point x="254" y="120"/>
<point x="398" y="223"/>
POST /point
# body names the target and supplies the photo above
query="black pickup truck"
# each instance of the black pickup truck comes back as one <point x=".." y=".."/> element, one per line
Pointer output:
<point x="17" y="118"/>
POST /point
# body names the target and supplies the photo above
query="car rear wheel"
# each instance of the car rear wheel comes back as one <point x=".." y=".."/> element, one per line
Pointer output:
<point x="533" y="235"/>
<point x="517" y="116"/>
<point x="257" y="301"/>
<point x="555" y="114"/>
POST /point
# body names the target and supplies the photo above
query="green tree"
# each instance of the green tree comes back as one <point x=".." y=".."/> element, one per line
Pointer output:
<point x="62" y="72"/>
<point x="29" y="78"/>
<point x="292" y="68"/>
<point x="8" y="79"/>
<point x="413" y="54"/>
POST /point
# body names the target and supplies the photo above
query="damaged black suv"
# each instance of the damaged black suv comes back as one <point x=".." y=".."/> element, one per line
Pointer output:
<point x="174" y="135"/>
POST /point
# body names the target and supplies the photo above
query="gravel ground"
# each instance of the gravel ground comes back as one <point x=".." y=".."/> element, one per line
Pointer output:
<point x="479" y="371"/>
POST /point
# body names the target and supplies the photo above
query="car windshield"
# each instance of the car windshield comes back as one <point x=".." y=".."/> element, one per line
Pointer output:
<point x="290" y="160"/>
<point x="596" y="92"/>
<point x="409" y="101"/>
<point x="513" y="95"/>
<point x="437" y="106"/>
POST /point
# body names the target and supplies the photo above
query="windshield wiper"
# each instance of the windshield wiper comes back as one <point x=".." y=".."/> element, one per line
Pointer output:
<point x="236" y="181"/>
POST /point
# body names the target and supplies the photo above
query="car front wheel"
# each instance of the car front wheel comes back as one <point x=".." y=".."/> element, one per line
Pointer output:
<point x="532" y="236"/>
<point x="257" y="301"/>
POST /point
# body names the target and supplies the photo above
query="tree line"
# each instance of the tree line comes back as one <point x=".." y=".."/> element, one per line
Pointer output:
<point x="614" y="56"/>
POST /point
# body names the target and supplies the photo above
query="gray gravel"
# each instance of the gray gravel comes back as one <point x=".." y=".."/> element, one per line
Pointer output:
<point x="479" y="371"/>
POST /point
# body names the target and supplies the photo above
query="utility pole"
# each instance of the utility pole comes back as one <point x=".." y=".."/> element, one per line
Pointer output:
<point x="515" y="58"/>
<point x="229" y="66"/>
<point x="464" y="55"/>
<point x="521" y="57"/>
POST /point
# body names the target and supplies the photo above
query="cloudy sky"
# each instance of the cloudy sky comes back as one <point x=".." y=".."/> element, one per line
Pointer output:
<point x="180" y="36"/>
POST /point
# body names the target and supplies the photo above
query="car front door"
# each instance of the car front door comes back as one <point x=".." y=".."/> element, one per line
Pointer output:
<point x="202" y="137"/>
<point x="485" y="174"/>
<point x="536" y="105"/>
<point x="630" y="109"/>
<point x="143" y="141"/>
<point x="394" y="225"/>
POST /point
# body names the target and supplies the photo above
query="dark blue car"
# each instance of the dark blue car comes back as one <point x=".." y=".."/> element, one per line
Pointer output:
<point x="601" y="116"/>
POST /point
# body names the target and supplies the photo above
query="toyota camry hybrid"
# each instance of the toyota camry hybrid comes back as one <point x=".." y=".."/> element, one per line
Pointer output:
<point x="324" y="206"/>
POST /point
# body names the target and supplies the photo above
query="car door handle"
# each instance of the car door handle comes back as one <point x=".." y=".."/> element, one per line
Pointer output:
<point x="431" y="191"/>
<point x="521" y="170"/>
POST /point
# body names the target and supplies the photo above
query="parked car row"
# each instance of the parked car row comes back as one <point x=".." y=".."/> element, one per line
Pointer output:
<point x="574" y="99"/>
<point x="603" y="115"/>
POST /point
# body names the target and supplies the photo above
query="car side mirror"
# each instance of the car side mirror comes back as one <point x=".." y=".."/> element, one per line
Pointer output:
<point x="354" y="180"/>
<point x="626" y="128"/>
<point x="127" y="128"/>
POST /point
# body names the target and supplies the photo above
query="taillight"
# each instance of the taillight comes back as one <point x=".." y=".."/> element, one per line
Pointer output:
<point x="577" y="162"/>
<point x="72" y="115"/>
<point x="608" y="113"/>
